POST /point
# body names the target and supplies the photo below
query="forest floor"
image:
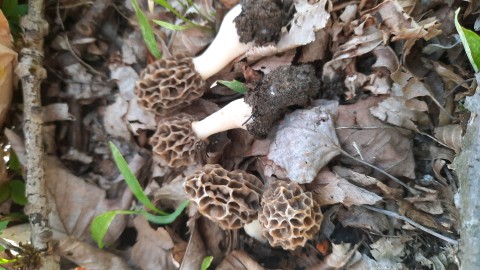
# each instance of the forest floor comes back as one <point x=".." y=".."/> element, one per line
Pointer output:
<point x="340" y="156"/>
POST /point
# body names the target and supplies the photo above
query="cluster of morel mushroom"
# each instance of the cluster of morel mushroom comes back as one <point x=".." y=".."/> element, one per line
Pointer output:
<point x="283" y="214"/>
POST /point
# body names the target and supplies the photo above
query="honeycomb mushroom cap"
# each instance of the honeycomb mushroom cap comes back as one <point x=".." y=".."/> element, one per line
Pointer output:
<point x="229" y="198"/>
<point x="175" y="142"/>
<point x="168" y="85"/>
<point x="289" y="215"/>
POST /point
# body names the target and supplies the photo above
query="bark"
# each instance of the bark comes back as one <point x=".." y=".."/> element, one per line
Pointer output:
<point x="31" y="73"/>
<point x="467" y="167"/>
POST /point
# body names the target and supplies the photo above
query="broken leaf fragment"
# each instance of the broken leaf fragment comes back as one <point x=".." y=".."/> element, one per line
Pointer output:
<point x="8" y="60"/>
<point x="304" y="143"/>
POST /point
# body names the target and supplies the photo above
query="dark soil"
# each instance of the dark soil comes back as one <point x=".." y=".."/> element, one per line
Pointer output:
<point x="260" y="21"/>
<point x="284" y="87"/>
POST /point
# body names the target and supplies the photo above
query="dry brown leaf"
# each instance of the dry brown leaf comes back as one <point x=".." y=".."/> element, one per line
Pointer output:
<point x="239" y="260"/>
<point x="401" y="25"/>
<point x="191" y="40"/>
<point x="304" y="143"/>
<point x="365" y="181"/>
<point x="88" y="256"/>
<point x="329" y="188"/>
<point x="57" y="112"/>
<point x="358" y="45"/>
<point x="315" y="50"/>
<point x="75" y="203"/>
<point x="8" y="61"/>
<point x="359" y="217"/>
<point x="367" y="138"/>
<point x="451" y="136"/>
<point x="389" y="248"/>
<point x="394" y="110"/>
<point x="195" y="252"/>
<point x="153" y="248"/>
<point x="113" y="119"/>
<point x="270" y="63"/>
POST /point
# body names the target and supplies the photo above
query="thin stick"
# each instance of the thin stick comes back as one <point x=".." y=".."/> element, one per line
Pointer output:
<point x="31" y="73"/>
<point x="413" y="223"/>
<point x="413" y="191"/>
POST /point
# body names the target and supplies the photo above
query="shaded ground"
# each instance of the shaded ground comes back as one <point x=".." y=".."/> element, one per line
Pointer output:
<point x="367" y="151"/>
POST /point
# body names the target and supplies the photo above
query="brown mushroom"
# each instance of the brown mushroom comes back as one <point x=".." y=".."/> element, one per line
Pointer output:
<point x="229" y="198"/>
<point x="168" y="85"/>
<point x="289" y="215"/>
<point x="174" y="141"/>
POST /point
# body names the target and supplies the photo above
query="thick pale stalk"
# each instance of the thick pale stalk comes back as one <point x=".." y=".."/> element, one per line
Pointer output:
<point x="236" y="114"/>
<point x="225" y="47"/>
<point x="254" y="230"/>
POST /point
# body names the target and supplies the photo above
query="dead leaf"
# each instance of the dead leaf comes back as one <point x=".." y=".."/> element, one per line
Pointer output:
<point x="359" y="217"/>
<point x="153" y="248"/>
<point x="329" y="188"/>
<point x="270" y="63"/>
<point x="389" y="248"/>
<point x="450" y="135"/>
<point x="315" y="50"/>
<point x="305" y="141"/>
<point x="8" y="61"/>
<point x="57" y="112"/>
<point x="195" y="251"/>
<point x="88" y="256"/>
<point x="367" y="138"/>
<point x="126" y="78"/>
<point x="395" y="111"/>
<point x="365" y="181"/>
<point x="113" y="119"/>
<point x="239" y="260"/>
<point x="359" y="45"/>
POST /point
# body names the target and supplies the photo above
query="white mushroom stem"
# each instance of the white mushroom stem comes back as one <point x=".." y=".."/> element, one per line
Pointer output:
<point x="254" y="230"/>
<point x="225" y="47"/>
<point x="235" y="114"/>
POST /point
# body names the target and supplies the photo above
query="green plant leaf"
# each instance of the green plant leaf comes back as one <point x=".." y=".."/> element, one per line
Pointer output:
<point x="17" y="192"/>
<point x="131" y="180"/>
<point x="4" y="192"/>
<point x="101" y="223"/>
<point x="165" y="219"/>
<point x="172" y="27"/>
<point x="206" y="262"/>
<point x="14" y="163"/>
<point x="5" y="261"/>
<point x="235" y="86"/>
<point x="471" y="43"/>
<point x="146" y="30"/>
<point x="3" y="225"/>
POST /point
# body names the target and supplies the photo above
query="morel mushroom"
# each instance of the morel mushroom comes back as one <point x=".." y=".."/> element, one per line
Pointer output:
<point x="229" y="198"/>
<point x="171" y="84"/>
<point x="174" y="141"/>
<point x="289" y="215"/>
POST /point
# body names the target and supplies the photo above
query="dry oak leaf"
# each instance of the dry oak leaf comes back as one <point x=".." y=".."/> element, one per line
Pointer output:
<point x="401" y="25"/>
<point x="330" y="188"/>
<point x="153" y="248"/>
<point x="451" y="136"/>
<point x="239" y="260"/>
<point x="360" y="217"/>
<point x="8" y="61"/>
<point x="365" y="137"/>
<point x="74" y="203"/>
<point x="304" y="143"/>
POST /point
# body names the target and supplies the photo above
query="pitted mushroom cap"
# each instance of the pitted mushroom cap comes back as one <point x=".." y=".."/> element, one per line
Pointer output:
<point x="289" y="215"/>
<point x="168" y="85"/>
<point x="230" y="199"/>
<point x="175" y="142"/>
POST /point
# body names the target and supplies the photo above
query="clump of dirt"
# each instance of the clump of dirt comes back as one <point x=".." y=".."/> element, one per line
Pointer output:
<point x="284" y="87"/>
<point x="260" y="21"/>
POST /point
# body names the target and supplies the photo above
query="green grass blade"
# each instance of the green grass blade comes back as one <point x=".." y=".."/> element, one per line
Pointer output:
<point x="168" y="218"/>
<point x="172" y="27"/>
<point x="3" y="225"/>
<point x="146" y="30"/>
<point x="471" y="43"/>
<point x="131" y="180"/>
<point x="235" y="86"/>
<point x="101" y="223"/>
<point x="206" y="262"/>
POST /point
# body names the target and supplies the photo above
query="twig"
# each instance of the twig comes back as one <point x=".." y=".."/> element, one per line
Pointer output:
<point x="413" y="223"/>
<point x="31" y="73"/>
<point x="413" y="191"/>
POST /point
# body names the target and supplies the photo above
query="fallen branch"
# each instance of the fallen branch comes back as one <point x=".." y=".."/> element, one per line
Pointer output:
<point x="31" y="73"/>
